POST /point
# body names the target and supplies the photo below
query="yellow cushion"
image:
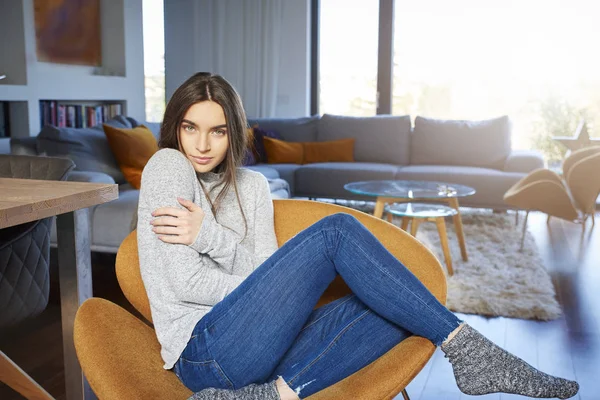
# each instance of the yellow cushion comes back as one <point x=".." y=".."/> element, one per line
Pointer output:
<point x="279" y="151"/>
<point x="334" y="150"/>
<point x="132" y="148"/>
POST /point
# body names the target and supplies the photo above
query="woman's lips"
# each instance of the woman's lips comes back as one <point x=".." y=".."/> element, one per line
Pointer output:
<point x="202" y="160"/>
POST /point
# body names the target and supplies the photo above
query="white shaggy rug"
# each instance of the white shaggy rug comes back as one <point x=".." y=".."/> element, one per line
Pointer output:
<point x="499" y="279"/>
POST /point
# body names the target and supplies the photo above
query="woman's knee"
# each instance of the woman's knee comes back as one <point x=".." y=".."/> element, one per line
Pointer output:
<point x="340" y="219"/>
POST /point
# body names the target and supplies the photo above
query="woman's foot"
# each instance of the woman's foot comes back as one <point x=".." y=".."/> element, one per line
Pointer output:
<point x="481" y="367"/>
<point x="276" y="390"/>
<point x="267" y="391"/>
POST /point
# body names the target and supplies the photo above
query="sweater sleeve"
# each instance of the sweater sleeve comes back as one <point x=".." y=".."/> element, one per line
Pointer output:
<point x="189" y="274"/>
<point x="223" y="246"/>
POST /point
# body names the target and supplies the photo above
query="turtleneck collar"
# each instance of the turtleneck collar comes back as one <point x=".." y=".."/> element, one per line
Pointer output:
<point x="209" y="177"/>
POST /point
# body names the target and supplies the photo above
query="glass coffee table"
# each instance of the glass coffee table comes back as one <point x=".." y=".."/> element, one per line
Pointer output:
<point x="416" y="213"/>
<point x="405" y="191"/>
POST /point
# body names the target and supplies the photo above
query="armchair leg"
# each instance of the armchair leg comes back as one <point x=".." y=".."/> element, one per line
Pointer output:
<point x="405" y="395"/>
<point x="524" y="229"/>
<point x="16" y="378"/>
<point x="516" y="217"/>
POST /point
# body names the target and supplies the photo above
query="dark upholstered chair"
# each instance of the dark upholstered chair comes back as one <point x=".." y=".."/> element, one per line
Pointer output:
<point x="120" y="355"/>
<point x="24" y="259"/>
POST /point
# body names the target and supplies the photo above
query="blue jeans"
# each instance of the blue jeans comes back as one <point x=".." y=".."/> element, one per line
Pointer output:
<point x="268" y="327"/>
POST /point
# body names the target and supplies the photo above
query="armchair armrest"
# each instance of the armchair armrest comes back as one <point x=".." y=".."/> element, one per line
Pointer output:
<point x="89" y="176"/>
<point x="523" y="161"/>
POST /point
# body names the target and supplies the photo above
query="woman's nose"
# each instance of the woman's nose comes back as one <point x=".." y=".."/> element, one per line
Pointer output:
<point x="203" y="143"/>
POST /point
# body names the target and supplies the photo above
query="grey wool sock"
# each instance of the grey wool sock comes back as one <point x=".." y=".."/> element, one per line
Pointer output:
<point x="265" y="391"/>
<point x="481" y="367"/>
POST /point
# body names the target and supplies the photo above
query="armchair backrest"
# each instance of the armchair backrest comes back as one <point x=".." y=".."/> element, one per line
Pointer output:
<point x="581" y="174"/>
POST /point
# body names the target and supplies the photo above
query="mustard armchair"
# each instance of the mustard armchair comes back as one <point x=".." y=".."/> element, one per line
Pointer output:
<point x="120" y="355"/>
<point x="570" y="196"/>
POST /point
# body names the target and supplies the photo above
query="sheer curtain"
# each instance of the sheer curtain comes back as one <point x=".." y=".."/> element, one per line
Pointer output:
<point x="240" y="40"/>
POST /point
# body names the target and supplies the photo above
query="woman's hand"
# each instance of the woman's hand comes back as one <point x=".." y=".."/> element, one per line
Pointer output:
<point x="175" y="225"/>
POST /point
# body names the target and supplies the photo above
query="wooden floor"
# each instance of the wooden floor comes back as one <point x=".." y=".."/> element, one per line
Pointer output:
<point x="569" y="347"/>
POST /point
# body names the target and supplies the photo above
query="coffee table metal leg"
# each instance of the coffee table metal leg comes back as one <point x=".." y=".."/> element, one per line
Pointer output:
<point x="75" y="277"/>
<point x="453" y="202"/>
<point x="441" y="226"/>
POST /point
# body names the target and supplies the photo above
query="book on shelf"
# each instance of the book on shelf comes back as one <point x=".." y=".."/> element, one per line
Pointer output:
<point x="76" y="114"/>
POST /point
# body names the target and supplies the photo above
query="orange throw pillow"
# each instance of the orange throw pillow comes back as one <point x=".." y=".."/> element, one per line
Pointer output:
<point x="330" y="151"/>
<point x="132" y="149"/>
<point x="281" y="152"/>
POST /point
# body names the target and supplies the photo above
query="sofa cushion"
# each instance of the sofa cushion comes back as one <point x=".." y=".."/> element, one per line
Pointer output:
<point x="329" y="151"/>
<point x="484" y="144"/>
<point x="328" y="179"/>
<point x="87" y="147"/>
<point x="113" y="221"/>
<point x="132" y="148"/>
<point x="154" y="127"/>
<point x="280" y="151"/>
<point x="379" y="139"/>
<point x="490" y="184"/>
<point x="24" y="146"/>
<point x="291" y="129"/>
<point x="288" y="173"/>
<point x="258" y="143"/>
<point x="266" y="170"/>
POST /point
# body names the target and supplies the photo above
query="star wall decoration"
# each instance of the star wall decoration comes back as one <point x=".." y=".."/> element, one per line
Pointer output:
<point x="581" y="139"/>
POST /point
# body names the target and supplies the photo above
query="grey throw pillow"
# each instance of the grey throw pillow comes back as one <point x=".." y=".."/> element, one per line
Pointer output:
<point x="87" y="147"/>
<point x="484" y="144"/>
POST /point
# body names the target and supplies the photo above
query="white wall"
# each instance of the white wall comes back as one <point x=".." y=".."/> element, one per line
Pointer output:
<point x="188" y="48"/>
<point x="121" y="23"/>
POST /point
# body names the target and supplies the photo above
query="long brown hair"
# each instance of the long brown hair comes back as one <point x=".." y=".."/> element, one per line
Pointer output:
<point x="204" y="86"/>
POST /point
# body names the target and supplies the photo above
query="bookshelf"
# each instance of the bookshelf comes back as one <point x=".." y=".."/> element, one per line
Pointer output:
<point x="79" y="113"/>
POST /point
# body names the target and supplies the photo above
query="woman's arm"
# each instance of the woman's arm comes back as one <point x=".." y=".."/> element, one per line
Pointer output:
<point x="190" y="275"/>
<point x="222" y="245"/>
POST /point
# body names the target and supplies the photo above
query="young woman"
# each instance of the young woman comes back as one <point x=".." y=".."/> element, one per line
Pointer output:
<point x="234" y="314"/>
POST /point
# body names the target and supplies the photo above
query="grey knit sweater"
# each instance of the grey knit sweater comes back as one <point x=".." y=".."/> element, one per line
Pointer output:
<point x="184" y="282"/>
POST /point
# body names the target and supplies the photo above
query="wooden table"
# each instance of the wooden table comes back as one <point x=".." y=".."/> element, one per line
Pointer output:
<point x="26" y="200"/>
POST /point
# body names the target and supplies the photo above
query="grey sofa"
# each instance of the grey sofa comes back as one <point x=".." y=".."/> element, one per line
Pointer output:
<point x="475" y="153"/>
<point x="110" y="222"/>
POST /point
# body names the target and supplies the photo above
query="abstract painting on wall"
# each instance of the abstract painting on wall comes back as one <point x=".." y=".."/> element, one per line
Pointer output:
<point x="68" y="31"/>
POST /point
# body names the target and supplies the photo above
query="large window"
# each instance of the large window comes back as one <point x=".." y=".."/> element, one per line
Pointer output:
<point x="470" y="59"/>
<point x="533" y="60"/>
<point x="348" y="56"/>
<point x="154" y="59"/>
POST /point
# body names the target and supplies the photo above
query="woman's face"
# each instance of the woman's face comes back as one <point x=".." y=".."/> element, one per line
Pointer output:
<point x="203" y="135"/>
